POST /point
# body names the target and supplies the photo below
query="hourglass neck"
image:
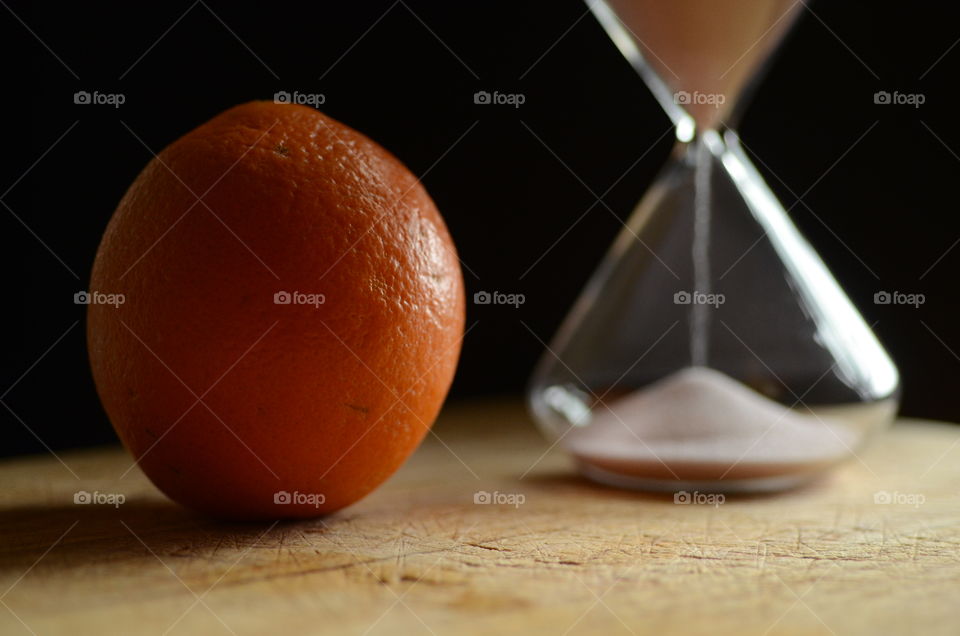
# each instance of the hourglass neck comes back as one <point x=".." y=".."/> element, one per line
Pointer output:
<point x="692" y="142"/>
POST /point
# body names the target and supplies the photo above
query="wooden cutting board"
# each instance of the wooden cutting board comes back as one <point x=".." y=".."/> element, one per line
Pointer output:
<point x="419" y="556"/>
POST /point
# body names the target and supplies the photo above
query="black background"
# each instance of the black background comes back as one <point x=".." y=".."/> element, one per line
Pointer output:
<point x="881" y="207"/>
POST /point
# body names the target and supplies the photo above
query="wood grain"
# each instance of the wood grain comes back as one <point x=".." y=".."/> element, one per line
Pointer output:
<point x="420" y="557"/>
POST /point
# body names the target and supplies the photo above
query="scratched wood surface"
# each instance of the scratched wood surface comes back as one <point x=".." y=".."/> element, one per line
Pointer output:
<point x="420" y="557"/>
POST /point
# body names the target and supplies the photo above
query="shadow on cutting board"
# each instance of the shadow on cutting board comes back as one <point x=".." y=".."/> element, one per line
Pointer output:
<point x="73" y="536"/>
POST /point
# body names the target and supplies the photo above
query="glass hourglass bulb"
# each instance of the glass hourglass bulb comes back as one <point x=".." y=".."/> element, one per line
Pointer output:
<point x="711" y="349"/>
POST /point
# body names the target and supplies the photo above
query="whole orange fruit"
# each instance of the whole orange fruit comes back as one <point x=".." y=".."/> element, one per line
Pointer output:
<point x="291" y="316"/>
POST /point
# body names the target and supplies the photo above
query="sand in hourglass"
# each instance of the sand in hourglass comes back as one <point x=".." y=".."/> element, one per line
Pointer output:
<point x="706" y="47"/>
<point x="700" y="425"/>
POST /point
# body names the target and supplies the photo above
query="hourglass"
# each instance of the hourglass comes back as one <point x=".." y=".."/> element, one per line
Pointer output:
<point x="711" y="349"/>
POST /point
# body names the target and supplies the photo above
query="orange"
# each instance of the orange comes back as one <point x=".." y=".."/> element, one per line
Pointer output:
<point x="292" y="314"/>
